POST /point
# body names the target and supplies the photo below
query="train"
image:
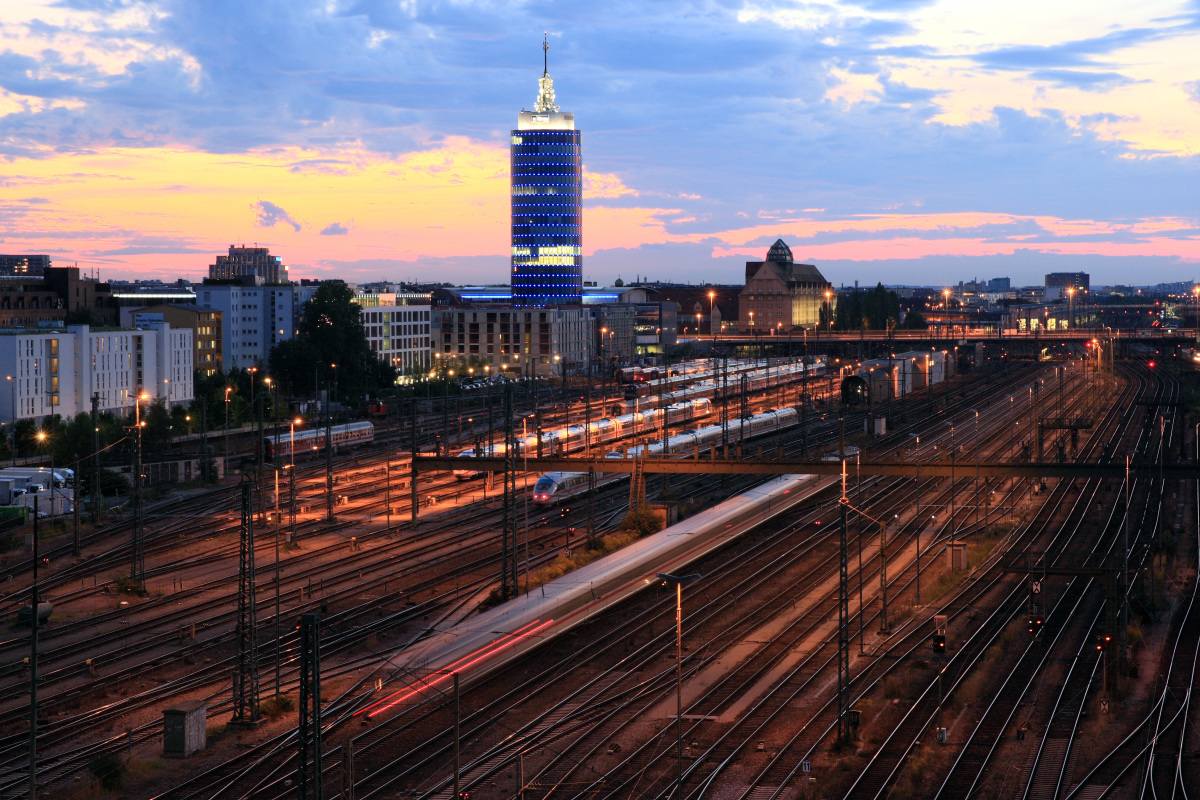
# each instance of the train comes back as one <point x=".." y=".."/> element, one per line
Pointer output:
<point x="484" y="451"/>
<point x="484" y="643"/>
<point x="287" y="444"/>
<point x="602" y="431"/>
<point x="553" y="488"/>
<point x="375" y="409"/>
<point x="756" y="379"/>
<point x="654" y="373"/>
<point x="654" y="380"/>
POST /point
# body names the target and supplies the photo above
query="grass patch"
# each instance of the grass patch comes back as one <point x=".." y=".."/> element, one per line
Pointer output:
<point x="275" y="707"/>
<point x="127" y="585"/>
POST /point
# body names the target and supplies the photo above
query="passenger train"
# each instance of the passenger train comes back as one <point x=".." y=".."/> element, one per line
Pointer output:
<point x="557" y="487"/>
<point x="757" y="379"/>
<point x="313" y="439"/>
<point x="603" y="431"/>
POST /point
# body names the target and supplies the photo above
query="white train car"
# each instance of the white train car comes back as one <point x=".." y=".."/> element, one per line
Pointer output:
<point x="611" y="429"/>
<point x="313" y="439"/>
<point x="553" y="488"/>
<point x="487" y="642"/>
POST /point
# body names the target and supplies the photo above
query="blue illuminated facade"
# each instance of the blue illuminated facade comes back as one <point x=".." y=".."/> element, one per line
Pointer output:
<point x="547" y="227"/>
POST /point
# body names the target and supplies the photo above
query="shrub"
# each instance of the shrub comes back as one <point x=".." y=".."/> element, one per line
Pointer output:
<point x="642" y="521"/>
<point x="276" y="707"/>
<point x="109" y="771"/>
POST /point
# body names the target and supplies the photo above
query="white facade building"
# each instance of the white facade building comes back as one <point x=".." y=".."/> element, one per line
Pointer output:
<point x="57" y="372"/>
<point x="255" y="319"/>
<point x="399" y="335"/>
<point x="397" y="327"/>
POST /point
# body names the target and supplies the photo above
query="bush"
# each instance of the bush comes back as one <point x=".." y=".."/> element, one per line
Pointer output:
<point x="642" y="521"/>
<point x="127" y="585"/>
<point x="276" y="707"/>
<point x="109" y="771"/>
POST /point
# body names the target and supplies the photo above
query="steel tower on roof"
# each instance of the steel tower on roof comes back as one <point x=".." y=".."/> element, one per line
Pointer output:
<point x="546" y="170"/>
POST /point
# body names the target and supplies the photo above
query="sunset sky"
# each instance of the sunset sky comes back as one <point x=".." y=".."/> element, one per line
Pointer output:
<point x="898" y="140"/>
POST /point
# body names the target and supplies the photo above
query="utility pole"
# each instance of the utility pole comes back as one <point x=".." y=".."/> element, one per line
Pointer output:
<point x="245" y="675"/>
<point x="33" y="662"/>
<point x="308" y="772"/>
<point x="412" y="477"/>
<point x="75" y="509"/>
<point x="328" y="460"/>
<point x="97" y="500"/>
<point x="509" y="534"/>
<point x="137" y="567"/>
<point x="843" y="734"/>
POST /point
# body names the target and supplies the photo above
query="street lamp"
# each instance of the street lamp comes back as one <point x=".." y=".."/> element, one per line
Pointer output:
<point x="292" y="443"/>
<point x="679" y="581"/>
<point x="42" y="437"/>
<point x="228" y="389"/>
<point x="712" y="296"/>
<point x="1071" y="308"/>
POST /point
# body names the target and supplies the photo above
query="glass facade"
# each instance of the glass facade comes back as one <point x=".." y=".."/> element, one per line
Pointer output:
<point x="547" y="194"/>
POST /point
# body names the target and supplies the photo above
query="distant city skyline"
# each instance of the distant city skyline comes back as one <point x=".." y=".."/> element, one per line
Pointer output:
<point x="899" y="141"/>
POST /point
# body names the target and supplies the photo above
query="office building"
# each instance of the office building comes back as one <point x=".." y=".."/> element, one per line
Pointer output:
<point x="204" y="323"/>
<point x="781" y="294"/>
<point x="547" y="196"/>
<point x="47" y="299"/>
<point x="518" y="341"/>
<point x="1079" y="281"/>
<point x="23" y="266"/>
<point x="397" y="323"/>
<point x="249" y="262"/>
<point x="254" y="319"/>
<point x="399" y="335"/>
<point x="58" y="371"/>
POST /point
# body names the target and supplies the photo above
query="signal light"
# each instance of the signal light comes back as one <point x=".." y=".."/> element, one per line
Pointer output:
<point x="939" y="643"/>
<point x="1035" y="623"/>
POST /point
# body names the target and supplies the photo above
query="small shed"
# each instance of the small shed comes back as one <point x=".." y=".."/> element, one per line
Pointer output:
<point x="185" y="729"/>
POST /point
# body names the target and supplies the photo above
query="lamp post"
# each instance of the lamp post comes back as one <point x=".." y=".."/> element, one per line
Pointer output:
<point x="679" y="581"/>
<point x="42" y="437"/>
<point x="228" y="389"/>
<point x="712" y="297"/>
<point x="1071" y="308"/>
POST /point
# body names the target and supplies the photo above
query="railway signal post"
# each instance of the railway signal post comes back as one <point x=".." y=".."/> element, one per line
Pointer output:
<point x="679" y="581"/>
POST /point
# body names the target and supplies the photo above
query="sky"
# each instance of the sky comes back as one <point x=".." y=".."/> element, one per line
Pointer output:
<point x="906" y="141"/>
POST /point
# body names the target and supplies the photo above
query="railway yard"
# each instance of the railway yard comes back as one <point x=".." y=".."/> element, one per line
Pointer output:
<point x="943" y="609"/>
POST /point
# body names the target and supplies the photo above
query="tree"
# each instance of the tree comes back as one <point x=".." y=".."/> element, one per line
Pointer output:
<point x="915" y="321"/>
<point x="331" y="333"/>
<point x="874" y="309"/>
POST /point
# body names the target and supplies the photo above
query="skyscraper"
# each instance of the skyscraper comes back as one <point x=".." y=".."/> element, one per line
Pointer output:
<point x="547" y="195"/>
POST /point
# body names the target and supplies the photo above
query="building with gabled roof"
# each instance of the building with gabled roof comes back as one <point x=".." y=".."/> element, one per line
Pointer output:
<point x="781" y="294"/>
